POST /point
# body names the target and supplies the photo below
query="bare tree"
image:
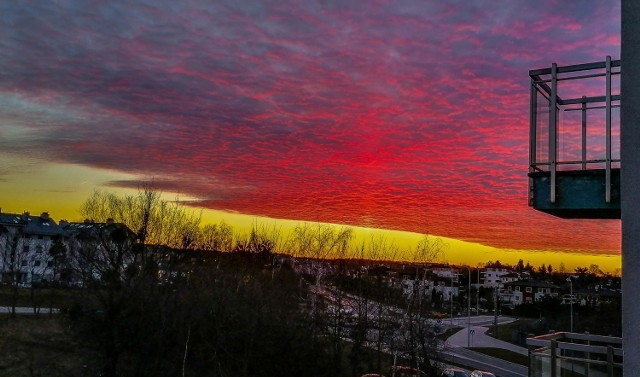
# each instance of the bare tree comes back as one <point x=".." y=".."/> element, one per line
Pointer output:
<point x="155" y="221"/>
<point x="123" y="254"/>
<point x="216" y="237"/>
<point x="419" y="335"/>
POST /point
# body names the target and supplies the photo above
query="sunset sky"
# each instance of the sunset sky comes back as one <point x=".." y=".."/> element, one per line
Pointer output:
<point x="400" y="115"/>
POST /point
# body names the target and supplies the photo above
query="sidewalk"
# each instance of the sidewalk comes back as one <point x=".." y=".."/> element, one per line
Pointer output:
<point x="481" y="339"/>
<point x="26" y="310"/>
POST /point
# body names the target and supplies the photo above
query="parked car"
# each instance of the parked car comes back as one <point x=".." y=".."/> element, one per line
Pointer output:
<point x="454" y="372"/>
<point x="481" y="373"/>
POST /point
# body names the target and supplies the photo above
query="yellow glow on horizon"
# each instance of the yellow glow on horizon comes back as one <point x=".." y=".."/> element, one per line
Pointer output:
<point x="456" y="252"/>
<point x="61" y="188"/>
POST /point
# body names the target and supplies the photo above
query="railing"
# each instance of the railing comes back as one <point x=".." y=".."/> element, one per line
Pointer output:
<point x="572" y="354"/>
<point x="556" y="143"/>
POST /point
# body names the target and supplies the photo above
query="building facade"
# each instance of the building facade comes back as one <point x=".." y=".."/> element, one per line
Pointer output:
<point x="25" y="241"/>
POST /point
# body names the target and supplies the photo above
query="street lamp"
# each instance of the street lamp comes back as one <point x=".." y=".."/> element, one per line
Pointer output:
<point x="571" y="301"/>
<point x="469" y="310"/>
<point x="495" y="309"/>
<point x="451" y="295"/>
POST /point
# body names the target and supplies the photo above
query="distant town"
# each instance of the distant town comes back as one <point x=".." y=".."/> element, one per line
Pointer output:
<point x="116" y="282"/>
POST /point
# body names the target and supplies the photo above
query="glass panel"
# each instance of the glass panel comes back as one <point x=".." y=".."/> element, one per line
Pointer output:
<point x="570" y="139"/>
<point x="542" y="130"/>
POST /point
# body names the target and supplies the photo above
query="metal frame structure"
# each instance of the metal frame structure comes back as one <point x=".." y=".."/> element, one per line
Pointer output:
<point x="546" y="82"/>
<point x="566" y="353"/>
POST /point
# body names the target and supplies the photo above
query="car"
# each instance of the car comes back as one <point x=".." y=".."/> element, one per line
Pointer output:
<point x="454" y="372"/>
<point x="481" y="373"/>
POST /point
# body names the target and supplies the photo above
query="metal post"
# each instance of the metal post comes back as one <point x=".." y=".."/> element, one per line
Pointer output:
<point x="610" y="361"/>
<point x="584" y="133"/>
<point x="478" y="292"/>
<point x="495" y="311"/>
<point x="532" y="124"/>
<point x="629" y="183"/>
<point x="451" y="296"/>
<point x="469" y="311"/>
<point x="553" y="134"/>
<point x="571" y="302"/>
<point x="554" y="359"/>
<point x="533" y="120"/>
<point x="586" y="371"/>
<point x="608" y="133"/>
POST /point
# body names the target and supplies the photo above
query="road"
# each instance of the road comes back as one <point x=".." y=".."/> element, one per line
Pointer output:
<point x="26" y="310"/>
<point x="475" y="360"/>
<point x="455" y="348"/>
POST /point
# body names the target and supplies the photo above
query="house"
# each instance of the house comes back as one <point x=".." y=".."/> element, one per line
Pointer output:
<point x="427" y="282"/>
<point x="96" y="248"/>
<point x="493" y="276"/>
<point x="25" y="241"/>
<point x="527" y="291"/>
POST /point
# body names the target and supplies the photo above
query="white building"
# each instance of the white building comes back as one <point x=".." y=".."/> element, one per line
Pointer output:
<point x="493" y="276"/>
<point x="25" y="241"/>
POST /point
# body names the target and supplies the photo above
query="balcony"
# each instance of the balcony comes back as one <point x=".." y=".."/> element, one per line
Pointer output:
<point x="572" y="354"/>
<point x="574" y="151"/>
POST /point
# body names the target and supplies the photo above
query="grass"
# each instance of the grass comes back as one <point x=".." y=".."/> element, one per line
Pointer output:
<point x="40" y="297"/>
<point x="506" y="331"/>
<point x="40" y="346"/>
<point x="445" y="335"/>
<point x="503" y="354"/>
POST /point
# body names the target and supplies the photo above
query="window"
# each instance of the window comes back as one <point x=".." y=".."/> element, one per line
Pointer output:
<point x="540" y="290"/>
<point x="39" y="249"/>
<point x="529" y="290"/>
<point x="25" y="249"/>
<point x="518" y="288"/>
<point x="36" y="263"/>
<point x="23" y="263"/>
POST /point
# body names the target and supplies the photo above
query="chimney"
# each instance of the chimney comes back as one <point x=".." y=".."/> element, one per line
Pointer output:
<point x="44" y="215"/>
<point x="110" y="221"/>
<point x="63" y="223"/>
<point x="25" y="216"/>
<point x="87" y="221"/>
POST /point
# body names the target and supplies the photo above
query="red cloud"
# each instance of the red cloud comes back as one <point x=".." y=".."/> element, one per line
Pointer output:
<point x="411" y="118"/>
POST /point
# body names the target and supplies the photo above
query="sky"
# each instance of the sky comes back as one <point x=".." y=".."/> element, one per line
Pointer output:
<point x="404" y="115"/>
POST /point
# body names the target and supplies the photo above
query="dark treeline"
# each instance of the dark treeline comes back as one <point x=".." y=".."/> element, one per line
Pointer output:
<point x="158" y="299"/>
<point x="223" y="315"/>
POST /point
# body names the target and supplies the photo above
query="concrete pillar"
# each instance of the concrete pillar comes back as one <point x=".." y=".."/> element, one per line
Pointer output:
<point x="630" y="184"/>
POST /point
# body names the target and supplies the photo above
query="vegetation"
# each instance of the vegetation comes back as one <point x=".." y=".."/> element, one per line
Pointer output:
<point x="42" y="346"/>
<point x="159" y="295"/>
<point x="171" y="298"/>
<point x="448" y="333"/>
